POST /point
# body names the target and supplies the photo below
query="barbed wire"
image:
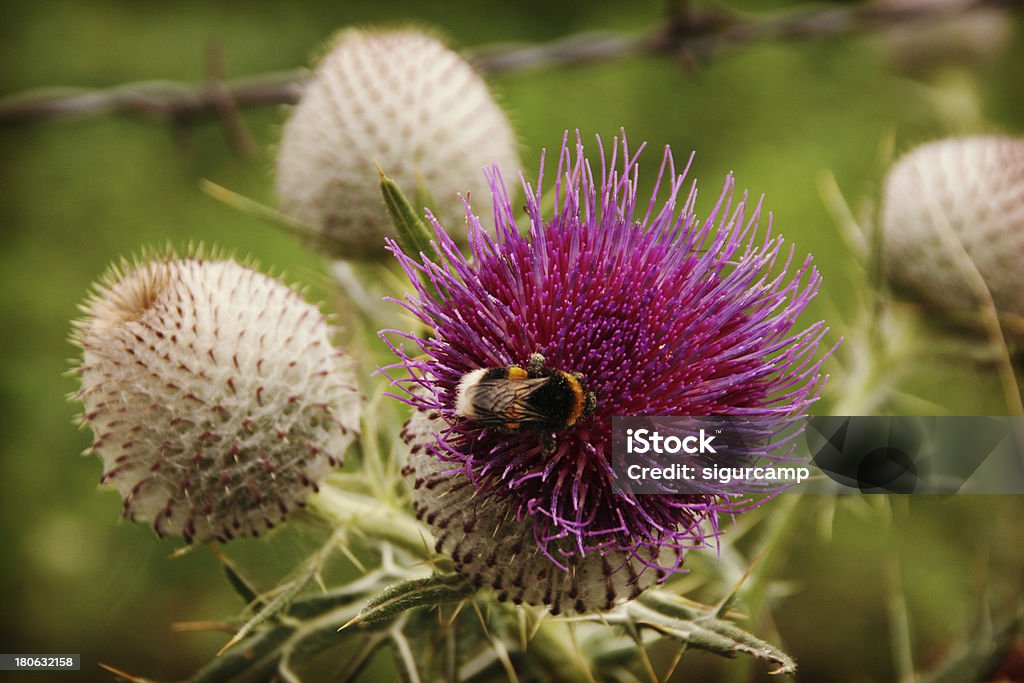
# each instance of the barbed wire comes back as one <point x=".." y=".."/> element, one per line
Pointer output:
<point x="694" y="36"/>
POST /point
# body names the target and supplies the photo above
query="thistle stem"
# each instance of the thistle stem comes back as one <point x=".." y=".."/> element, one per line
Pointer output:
<point x="869" y="380"/>
<point x="374" y="519"/>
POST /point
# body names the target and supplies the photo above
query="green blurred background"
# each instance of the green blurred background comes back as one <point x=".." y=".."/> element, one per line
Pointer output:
<point x="77" y="195"/>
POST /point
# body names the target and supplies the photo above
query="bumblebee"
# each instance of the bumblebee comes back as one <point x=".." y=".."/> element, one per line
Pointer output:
<point x="513" y="398"/>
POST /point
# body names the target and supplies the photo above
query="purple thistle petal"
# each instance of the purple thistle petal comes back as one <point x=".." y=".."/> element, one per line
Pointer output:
<point x="667" y="315"/>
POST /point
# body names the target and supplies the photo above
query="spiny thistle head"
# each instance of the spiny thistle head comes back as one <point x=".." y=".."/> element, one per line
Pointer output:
<point x="968" y="189"/>
<point x="649" y="310"/>
<point x="215" y="397"/>
<point x="400" y="99"/>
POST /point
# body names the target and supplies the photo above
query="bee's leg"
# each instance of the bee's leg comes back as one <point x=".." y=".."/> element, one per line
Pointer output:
<point x="547" y="440"/>
<point x="589" y="403"/>
<point x="589" y="399"/>
<point x="535" y="366"/>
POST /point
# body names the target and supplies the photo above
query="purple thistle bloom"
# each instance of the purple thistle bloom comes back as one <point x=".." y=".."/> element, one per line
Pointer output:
<point x="661" y="314"/>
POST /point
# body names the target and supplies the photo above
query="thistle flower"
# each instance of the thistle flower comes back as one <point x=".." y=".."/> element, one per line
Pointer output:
<point x="215" y="396"/>
<point x="400" y="99"/>
<point x="970" y="188"/>
<point x="658" y="313"/>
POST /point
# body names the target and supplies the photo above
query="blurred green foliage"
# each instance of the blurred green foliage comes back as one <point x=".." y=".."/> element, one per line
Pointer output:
<point x="77" y="195"/>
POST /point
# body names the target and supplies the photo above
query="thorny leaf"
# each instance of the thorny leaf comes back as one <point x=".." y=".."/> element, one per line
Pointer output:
<point x="283" y="596"/>
<point x="242" y="586"/>
<point x="308" y="626"/>
<point x="397" y="599"/>
<point x="252" y="660"/>
<point x="700" y="627"/>
<point x="413" y="234"/>
<point x="694" y="625"/>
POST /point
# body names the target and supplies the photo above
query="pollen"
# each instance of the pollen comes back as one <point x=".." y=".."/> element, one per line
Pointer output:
<point x="579" y="400"/>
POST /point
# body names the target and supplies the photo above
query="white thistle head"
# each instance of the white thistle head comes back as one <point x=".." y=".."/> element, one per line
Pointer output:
<point x="400" y="99"/>
<point x="972" y="187"/>
<point x="495" y="550"/>
<point x="215" y="397"/>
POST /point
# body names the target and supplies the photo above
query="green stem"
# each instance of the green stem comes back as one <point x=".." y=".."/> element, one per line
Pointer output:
<point x="868" y="382"/>
<point x="374" y="519"/>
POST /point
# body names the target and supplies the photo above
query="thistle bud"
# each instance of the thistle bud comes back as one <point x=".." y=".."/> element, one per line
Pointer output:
<point x="973" y="187"/>
<point x="214" y="394"/>
<point x="494" y="549"/>
<point x="401" y="100"/>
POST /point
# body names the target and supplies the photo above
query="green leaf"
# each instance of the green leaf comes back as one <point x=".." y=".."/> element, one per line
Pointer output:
<point x="283" y="597"/>
<point x="266" y="213"/>
<point x="315" y="606"/>
<point x="407" y="595"/>
<point x="423" y="198"/>
<point x="700" y="627"/>
<point x="308" y="627"/>
<point x="245" y="590"/>
<point x="413" y="234"/>
<point x="253" y="660"/>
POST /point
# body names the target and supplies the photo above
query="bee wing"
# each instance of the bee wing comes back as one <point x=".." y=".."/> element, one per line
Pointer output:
<point x="503" y="401"/>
